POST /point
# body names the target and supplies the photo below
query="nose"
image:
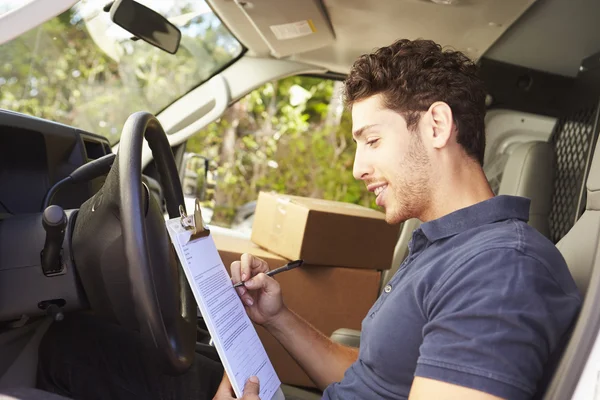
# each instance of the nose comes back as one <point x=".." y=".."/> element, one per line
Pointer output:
<point x="362" y="167"/>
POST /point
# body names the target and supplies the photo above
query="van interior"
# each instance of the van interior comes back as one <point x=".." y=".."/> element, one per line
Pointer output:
<point x="114" y="185"/>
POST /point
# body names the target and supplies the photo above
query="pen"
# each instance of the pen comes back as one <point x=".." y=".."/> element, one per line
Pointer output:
<point x="286" y="267"/>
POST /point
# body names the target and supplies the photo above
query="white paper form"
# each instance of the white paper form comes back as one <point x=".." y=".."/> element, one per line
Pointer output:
<point x="233" y="334"/>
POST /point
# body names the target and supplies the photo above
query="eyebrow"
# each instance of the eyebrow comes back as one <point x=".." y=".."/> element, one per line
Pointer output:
<point x="359" y="132"/>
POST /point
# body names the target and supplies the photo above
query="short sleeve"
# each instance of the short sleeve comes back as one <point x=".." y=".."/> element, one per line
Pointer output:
<point x="492" y="323"/>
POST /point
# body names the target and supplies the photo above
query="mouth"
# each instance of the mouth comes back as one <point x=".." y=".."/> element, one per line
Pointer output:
<point x="379" y="191"/>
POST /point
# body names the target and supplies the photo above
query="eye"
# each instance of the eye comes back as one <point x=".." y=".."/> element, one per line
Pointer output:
<point x="371" y="142"/>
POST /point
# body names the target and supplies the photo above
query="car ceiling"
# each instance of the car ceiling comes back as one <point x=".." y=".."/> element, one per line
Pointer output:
<point x="551" y="35"/>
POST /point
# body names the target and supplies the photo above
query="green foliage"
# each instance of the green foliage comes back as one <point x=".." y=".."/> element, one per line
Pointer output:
<point x="59" y="70"/>
<point x="282" y="147"/>
<point x="281" y="137"/>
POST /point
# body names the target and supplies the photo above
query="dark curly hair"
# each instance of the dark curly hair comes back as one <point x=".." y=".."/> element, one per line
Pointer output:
<point x="412" y="75"/>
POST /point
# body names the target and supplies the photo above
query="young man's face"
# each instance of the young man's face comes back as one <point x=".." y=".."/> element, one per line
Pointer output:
<point x="390" y="159"/>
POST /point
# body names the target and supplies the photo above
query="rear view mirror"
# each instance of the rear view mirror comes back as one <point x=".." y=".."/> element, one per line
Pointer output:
<point x="195" y="176"/>
<point x="146" y="24"/>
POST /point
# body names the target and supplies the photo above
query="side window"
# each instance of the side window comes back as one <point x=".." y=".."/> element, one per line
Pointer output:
<point x="291" y="136"/>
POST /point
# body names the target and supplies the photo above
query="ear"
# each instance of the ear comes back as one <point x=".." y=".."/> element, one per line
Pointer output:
<point x="441" y="124"/>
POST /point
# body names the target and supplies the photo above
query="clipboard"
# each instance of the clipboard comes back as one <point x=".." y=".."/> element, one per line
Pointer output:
<point x="194" y="222"/>
<point x="233" y="335"/>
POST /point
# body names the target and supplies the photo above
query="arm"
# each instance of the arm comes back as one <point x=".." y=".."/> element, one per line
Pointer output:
<point x="323" y="360"/>
<point x="493" y="321"/>
<point x="424" y="389"/>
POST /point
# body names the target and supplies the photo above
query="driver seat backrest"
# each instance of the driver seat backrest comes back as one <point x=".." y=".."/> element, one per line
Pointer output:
<point x="577" y="252"/>
<point x="574" y="140"/>
<point x="580" y="248"/>
<point x="575" y="224"/>
<point x="529" y="172"/>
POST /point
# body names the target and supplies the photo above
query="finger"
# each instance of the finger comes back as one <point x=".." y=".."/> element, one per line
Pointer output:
<point x="247" y="261"/>
<point x="264" y="282"/>
<point x="252" y="387"/>
<point x="235" y="277"/>
<point x="235" y="271"/>
<point x="252" y="265"/>
<point x="247" y="299"/>
<point x="241" y="290"/>
<point x="225" y="390"/>
<point x="259" y="265"/>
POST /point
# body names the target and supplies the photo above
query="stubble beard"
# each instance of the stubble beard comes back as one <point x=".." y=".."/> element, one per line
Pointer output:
<point x="411" y="188"/>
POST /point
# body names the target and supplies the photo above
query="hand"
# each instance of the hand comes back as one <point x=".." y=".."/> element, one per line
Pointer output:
<point x="260" y="294"/>
<point x="225" y="390"/>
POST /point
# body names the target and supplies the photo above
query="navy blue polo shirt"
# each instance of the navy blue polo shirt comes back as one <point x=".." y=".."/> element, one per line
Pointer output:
<point x="481" y="301"/>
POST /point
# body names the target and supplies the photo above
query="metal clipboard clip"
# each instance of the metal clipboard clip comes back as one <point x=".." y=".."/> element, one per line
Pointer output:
<point x="194" y="222"/>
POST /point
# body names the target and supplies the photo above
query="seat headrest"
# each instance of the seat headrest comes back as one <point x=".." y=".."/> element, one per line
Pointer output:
<point x="593" y="181"/>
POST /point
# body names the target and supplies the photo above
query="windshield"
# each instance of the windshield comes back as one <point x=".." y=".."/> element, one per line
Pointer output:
<point x="82" y="70"/>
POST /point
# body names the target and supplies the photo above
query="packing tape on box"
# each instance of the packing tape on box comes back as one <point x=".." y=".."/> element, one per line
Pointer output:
<point x="280" y="211"/>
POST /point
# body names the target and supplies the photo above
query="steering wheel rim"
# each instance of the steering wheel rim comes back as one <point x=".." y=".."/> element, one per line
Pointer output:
<point x="172" y="333"/>
<point x="122" y="253"/>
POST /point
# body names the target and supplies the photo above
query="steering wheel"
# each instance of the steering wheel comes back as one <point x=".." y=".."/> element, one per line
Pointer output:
<point x="122" y="252"/>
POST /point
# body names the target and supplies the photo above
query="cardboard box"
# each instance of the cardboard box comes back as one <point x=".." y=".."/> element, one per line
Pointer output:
<point x="327" y="297"/>
<point x="231" y="249"/>
<point x="323" y="232"/>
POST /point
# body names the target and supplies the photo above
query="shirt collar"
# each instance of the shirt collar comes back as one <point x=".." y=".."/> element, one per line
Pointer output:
<point x="497" y="208"/>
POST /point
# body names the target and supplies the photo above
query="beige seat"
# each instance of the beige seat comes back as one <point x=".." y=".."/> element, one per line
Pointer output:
<point x="294" y="393"/>
<point x="580" y="247"/>
<point x="401" y="250"/>
<point x="529" y="172"/>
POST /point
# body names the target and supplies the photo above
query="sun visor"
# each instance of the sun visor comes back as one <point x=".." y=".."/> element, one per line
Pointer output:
<point x="289" y="27"/>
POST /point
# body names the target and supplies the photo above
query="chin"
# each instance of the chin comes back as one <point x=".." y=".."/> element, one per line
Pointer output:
<point x="399" y="212"/>
<point x="394" y="218"/>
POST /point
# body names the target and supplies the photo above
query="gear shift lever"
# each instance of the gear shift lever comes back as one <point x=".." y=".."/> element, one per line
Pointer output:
<point x="54" y="221"/>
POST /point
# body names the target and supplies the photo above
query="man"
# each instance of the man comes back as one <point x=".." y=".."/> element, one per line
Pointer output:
<point x="482" y="300"/>
<point x="475" y="311"/>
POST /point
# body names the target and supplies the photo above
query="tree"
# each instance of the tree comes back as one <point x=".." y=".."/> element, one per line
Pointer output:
<point x="71" y="70"/>
<point x="290" y="136"/>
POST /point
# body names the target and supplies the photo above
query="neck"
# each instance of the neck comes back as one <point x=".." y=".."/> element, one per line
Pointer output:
<point x="458" y="186"/>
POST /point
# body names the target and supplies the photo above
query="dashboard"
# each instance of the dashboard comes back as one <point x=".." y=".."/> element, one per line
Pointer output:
<point x="35" y="154"/>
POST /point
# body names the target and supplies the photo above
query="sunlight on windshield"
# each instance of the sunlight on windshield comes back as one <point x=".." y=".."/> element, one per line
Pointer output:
<point x="82" y="70"/>
<point x="10" y="5"/>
